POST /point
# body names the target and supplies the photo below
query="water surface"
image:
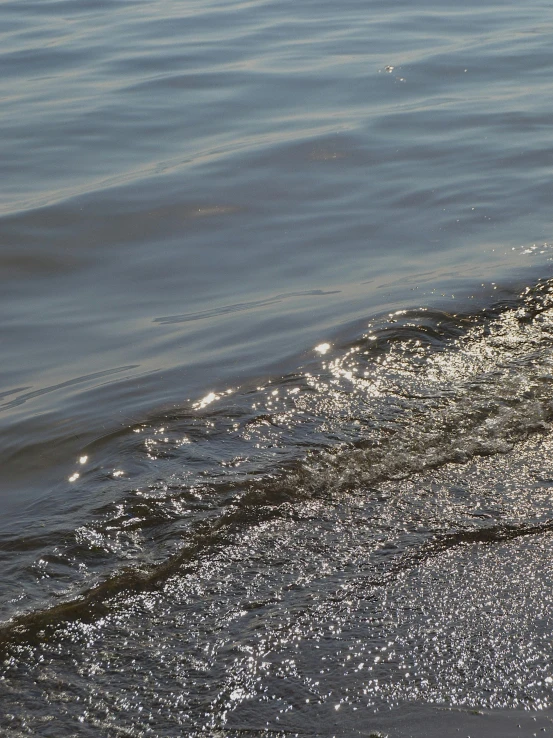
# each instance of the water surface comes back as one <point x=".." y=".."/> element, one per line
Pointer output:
<point x="275" y="389"/>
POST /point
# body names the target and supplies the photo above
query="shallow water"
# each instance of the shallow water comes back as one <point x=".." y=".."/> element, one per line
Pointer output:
<point x="275" y="397"/>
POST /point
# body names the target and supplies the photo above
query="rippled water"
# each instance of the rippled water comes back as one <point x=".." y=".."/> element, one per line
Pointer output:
<point x="276" y="382"/>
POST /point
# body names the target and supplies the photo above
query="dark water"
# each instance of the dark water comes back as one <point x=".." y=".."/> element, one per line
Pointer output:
<point x="276" y="388"/>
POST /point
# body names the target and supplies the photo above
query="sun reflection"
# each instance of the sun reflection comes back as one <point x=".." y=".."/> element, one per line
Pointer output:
<point x="205" y="401"/>
<point x="322" y="348"/>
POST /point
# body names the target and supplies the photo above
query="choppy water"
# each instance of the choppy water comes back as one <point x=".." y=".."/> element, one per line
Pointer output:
<point x="276" y="381"/>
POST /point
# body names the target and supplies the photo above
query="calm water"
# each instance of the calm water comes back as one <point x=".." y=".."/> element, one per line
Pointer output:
<point x="277" y="368"/>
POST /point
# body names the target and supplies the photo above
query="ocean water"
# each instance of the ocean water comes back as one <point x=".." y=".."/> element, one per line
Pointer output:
<point x="276" y="388"/>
